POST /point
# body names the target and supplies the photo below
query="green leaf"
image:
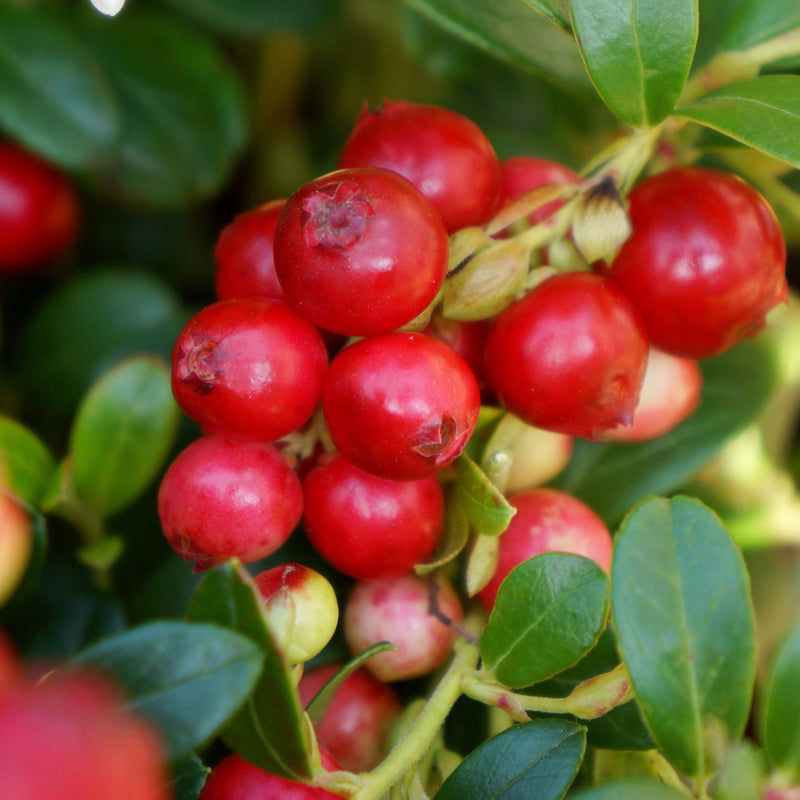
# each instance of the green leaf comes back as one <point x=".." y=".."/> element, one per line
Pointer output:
<point x="549" y="612"/>
<point x="779" y="711"/>
<point x="454" y="537"/>
<point x="555" y="10"/>
<point x="743" y="774"/>
<point x="637" y="52"/>
<point x="685" y="627"/>
<point x="269" y="731"/>
<point x="486" y="508"/>
<point x="756" y="21"/>
<point x="612" y="478"/>
<point x="181" y="105"/>
<point x="763" y="113"/>
<point x="189" y="777"/>
<point x="122" y="433"/>
<point x="28" y="467"/>
<point x="538" y="759"/>
<point x="514" y="30"/>
<point x="187" y="678"/>
<point x="54" y="97"/>
<point x="630" y="789"/>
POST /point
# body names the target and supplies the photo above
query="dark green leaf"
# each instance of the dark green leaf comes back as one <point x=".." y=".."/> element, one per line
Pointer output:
<point x="189" y="777"/>
<point x="486" y="508"/>
<point x="28" y="467"/>
<point x="54" y="97"/>
<point x="513" y="30"/>
<point x="638" y="53"/>
<point x="187" y="678"/>
<point x="538" y="759"/>
<point x="122" y="433"/>
<point x="630" y="789"/>
<point x="755" y="21"/>
<point x="269" y="731"/>
<point x="612" y="478"/>
<point x="763" y="113"/>
<point x="779" y="711"/>
<point x="549" y="612"/>
<point x="684" y="621"/>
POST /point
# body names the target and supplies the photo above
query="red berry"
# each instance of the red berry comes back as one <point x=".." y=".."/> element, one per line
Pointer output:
<point x="243" y="254"/>
<point x="444" y="154"/>
<point x="249" y="368"/>
<point x="223" y="499"/>
<point x="10" y="664"/>
<point x="570" y="356"/>
<point x="546" y="521"/>
<point x="705" y="262"/>
<point x="39" y="211"/>
<point x="368" y="527"/>
<point x="401" y="405"/>
<point x="466" y="337"/>
<point x="355" y="725"/>
<point x="360" y="251"/>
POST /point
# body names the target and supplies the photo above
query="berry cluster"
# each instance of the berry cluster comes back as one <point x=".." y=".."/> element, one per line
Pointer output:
<point x="361" y="323"/>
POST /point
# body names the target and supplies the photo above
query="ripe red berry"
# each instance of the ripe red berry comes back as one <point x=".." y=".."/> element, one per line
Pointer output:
<point x="402" y="611"/>
<point x="705" y="262"/>
<point x="444" y="154"/>
<point x="355" y="725"/>
<point x="401" y="405"/>
<point x="547" y="521"/>
<point x="39" y="211"/>
<point x="223" y="499"/>
<point x="243" y="255"/>
<point x="360" y="251"/>
<point x="570" y="356"/>
<point x="249" y="368"/>
<point x="369" y="527"/>
<point x="466" y="337"/>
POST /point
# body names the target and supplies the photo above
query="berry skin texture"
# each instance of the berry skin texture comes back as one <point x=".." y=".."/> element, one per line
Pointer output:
<point x="301" y="609"/>
<point x="569" y="357"/>
<point x="249" y="369"/>
<point x="16" y="543"/>
<point x="70" y="737"/>
<point x="400" y="406"/>
<point x="368" y="527"/>
<point x="360" y="251"/>
<point x="444" y="154"/>
<point x="399" y="611"/>
<point x="355" y="726"/>
<point x="39" y="211"/>
<point x="705" y="262"/>
<point x="547" y="521"/>
<point x="223" y="499"/>
<point x="245" y="266"/>
<point x="236" y="779"/>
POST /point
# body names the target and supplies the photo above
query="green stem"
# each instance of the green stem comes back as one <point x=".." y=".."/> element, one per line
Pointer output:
<point x="666" y="772"/>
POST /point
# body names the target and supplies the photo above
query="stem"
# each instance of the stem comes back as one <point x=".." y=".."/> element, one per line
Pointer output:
<point x="666" y="772"/>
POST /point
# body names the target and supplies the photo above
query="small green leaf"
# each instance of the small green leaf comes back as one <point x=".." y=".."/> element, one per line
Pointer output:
<point x="188" y="679"/>
<point x="486" y="508"/>
<point x="269" y="731"/>
<point x="763" y="113"/>
<point x="54" y="97"/>
<point x="454" y="538"/>
<point x="685" y="627"/>
<point x="26" y="463"/>
<point x="743" y="774"/>
<point x="629" y="789"/>
<point x="122" y="433"/>
<point x="756" y="21"/>
<point x="637" y="52"/>
<point x="779" y="711"/>
<point x="188" y="778"/>
<point x="538" y="759"/>
<point x="549" y="612"/>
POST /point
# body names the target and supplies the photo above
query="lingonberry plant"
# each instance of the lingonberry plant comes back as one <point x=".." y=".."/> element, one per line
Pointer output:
<point x="399" y="400"/>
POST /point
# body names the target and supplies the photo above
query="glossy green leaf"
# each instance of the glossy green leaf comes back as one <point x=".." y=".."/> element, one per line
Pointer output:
<point x="26" y="463"/>
<point x="188" y="678"/>
<point x="612" y="478"/>
<point x="181" y="106"/>
<point x="763" y="113"/>
<point x="629" y="789"/>
<point x="779" y="710"/>
<point x="685" y="627"/>
<point x="556" y="10"/>
<point x="54" y="97"/>
<point x="123" y="431"/>
<point x="549" y="612"/>
<point x="743" y="774"/>
<point x="485" y="506"/>
<point x="538" y="759"/>
<point x="269" y="731"/>
<point x="756" y="21"/>
<point x="515" y="30"/>
<point x="188" y="778"/>
<point x="637" y="52"/>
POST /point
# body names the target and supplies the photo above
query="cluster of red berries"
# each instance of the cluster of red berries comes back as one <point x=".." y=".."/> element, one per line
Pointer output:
<point x="332" y="390"/>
